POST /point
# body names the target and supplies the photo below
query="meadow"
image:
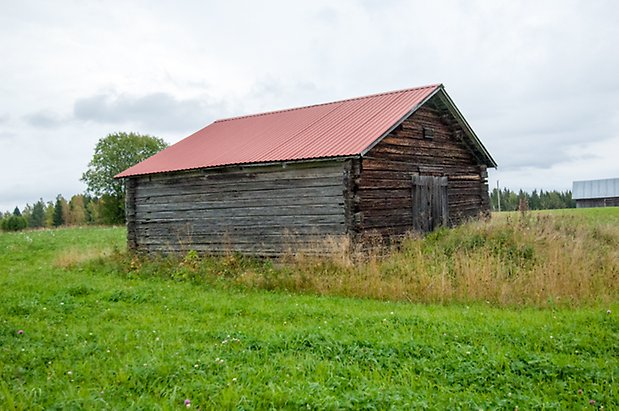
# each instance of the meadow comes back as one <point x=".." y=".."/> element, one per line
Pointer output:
<point x="516" y="313"/>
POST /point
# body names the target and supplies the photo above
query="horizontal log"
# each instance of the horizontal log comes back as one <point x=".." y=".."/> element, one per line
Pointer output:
<point x="368" y="183"/>
<point x="386" y="203"/>
<point x="381" y="193"/>
<point x="393" y="174"/>
<point x="307" y="194"/>
<point x="420" y="160"/>
<point x="286" y="221"/>
<point x="408" y="165"/>
<point x="463" y="202"/>
<point x="232" y="178"/>
<point x="199" y="211"/>
<point x="249" y="240"/>
<point x="185" y="231"/>
<point x="387" y="231"/>
<point x="454" y="154"/>
<point x="464" y="184"/>
<point x="387" y="221"/>
<point x="319" y="248"/>
<point x="206" y="186"/>
<point x="224" y="203"/>
<point x="466" y="177"/>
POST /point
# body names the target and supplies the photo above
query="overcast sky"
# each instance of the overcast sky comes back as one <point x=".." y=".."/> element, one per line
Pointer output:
<point x="537" y="80"/>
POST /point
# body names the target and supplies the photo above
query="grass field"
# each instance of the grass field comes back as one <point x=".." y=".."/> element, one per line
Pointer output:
<point x="83" y="326"/>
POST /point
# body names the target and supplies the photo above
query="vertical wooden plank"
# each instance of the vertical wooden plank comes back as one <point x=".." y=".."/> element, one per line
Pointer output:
<point x="432" y="202"/>
<point x="436" y="198"/>
<point x="444" y="201"/>
<point x="416" y="203"/>
<point x="429" y="202"/>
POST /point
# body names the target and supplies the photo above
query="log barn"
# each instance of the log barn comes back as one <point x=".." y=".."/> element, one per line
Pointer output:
<point x="596" y="193"/>
<point x="380" y="165"/>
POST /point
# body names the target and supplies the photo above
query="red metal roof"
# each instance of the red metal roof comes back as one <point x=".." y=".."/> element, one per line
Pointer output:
<point x="338" y="129"/>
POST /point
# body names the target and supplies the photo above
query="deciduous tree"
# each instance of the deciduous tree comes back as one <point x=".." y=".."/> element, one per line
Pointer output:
<point x="113" y="154"/>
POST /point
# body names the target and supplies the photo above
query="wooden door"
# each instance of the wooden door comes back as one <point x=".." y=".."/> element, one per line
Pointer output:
<point x="430" y="208"/>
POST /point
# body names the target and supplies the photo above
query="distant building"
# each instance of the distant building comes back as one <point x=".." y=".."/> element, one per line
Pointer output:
<point x="596" y="193"/>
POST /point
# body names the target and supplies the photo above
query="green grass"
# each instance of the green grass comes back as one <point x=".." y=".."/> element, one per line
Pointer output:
<point x="600" y="215"/>
<point x="96" y="337"/>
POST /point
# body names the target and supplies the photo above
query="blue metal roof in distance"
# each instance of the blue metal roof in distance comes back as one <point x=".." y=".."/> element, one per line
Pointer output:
<point x="604" y="188"/>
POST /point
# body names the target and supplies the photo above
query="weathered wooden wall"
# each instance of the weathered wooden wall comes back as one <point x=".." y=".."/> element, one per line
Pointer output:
<point x="382" y="184"/>
<point x="597" y="202"/>
<point x="256" y="210"/>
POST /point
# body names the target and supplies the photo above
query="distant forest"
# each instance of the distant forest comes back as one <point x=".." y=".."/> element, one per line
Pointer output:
<point x="537" y="200"/>
<point x="81" y="209"/>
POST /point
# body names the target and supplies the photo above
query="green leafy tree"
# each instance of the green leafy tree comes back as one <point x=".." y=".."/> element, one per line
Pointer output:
<point x="49" y="214"/>
<point x="113" y="154"/>
<point x="26" y="212"/>
<point x="92" y="210"/>
<point x="77" y="211"/>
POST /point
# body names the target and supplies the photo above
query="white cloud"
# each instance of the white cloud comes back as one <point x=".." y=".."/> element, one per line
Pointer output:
<point x="157" y="111"/>
<point x="45" y="119"/>
<point x="584" y="161"/>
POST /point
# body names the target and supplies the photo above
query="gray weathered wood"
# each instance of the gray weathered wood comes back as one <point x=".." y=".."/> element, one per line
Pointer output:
<point x="246" y="210"/>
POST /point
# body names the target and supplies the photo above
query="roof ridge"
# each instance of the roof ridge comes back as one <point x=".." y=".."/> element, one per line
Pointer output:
<point x="266" y="113"/>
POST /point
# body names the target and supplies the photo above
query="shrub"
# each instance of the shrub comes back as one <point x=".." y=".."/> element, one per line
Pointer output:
<point x="14" y="223"/>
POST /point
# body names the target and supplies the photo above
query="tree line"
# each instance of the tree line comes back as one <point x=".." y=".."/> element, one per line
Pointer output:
<point x="80" y="209"/>
<point x="536" y="200"/>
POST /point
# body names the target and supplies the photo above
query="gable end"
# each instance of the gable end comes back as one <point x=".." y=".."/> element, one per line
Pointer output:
<point x="452" y="117"/>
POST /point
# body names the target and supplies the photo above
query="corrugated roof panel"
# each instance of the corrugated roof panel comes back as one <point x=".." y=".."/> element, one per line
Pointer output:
<point x="322" y="136"/>
<point x="264" y="135"/>
<point x="341" y="128"/>
<point x="603" y="188"/>
<point x="368" y="124"/>
<point x="384" y="115"/>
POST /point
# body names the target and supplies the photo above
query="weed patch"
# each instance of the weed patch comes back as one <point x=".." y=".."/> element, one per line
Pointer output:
<point x="532" y="259"/>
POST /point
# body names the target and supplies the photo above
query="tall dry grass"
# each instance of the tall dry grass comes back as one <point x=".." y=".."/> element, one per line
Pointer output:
<point x="537" y="260"/>
<point x="522" y="259"/>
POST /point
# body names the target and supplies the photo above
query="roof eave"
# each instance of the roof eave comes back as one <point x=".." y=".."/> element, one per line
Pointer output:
<point x="256" y="164"/>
